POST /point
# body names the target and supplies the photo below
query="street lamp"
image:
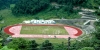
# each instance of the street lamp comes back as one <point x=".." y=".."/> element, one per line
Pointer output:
<point x="69" y="43"/>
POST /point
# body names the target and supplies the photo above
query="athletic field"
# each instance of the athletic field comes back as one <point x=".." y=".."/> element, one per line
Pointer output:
<point x="44" y="30"/>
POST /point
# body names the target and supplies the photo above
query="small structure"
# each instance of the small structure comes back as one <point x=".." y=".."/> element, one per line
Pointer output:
<point x="27" y="22"/>
<point x="42" y="22"/>
<point x="9" y="38"/>
<point x="39" y="22"/>
<point x="99" y="7"/>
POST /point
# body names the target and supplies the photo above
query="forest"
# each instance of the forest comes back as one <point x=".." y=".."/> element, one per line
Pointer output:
<point x="37" y="6"/>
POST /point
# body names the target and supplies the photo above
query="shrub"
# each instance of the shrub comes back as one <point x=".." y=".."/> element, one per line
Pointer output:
<point x="87" y="48"/>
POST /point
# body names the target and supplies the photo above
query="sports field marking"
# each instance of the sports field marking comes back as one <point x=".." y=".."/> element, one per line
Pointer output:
<point x="15" y="30"/>
<point x="71" y="31"/>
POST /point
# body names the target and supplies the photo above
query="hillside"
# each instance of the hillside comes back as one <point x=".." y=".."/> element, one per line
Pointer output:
<point x="9" y="18"/>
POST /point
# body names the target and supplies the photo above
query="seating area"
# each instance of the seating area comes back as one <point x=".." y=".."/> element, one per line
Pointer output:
<point x="39" y="22"/>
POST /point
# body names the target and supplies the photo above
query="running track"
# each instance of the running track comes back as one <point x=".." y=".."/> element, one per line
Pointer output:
<point x="14" y="31"/>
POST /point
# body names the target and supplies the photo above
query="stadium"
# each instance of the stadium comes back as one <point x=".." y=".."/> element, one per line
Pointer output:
<point x="42" y="29"/>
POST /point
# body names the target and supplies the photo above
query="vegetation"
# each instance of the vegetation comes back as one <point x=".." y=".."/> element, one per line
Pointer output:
<point x="98" y="13"/>
<point x="97" y="35"/>
<point x="33" y="45"/>
<point x="3" y="37"/>
<point x="62" y="46"/>
<point x="46" y="6"/>
<point x="6" y="48"/>
<point x="90" y="43"/>
<point x="29" y="7"/>
<point x="47" y="45"/>
<point x="4" y="4"/>
<point x="87" y="48"/>
<point x="1" y="18"/>
<point x="20" y="44"/>
<point x="16" y="11"/>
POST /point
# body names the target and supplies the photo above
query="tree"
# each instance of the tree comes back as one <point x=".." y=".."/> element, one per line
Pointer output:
<point x="60" y="46"/>
<point x="18" y="44"/>
<point x="97" y="12"/>
<point x="0" y="44"/>
<point x="22" y="45"/>
<point x="4" y="4"/>
<point x="47" y="45"/>
<point x="96" y="36"/>
<point x="6" y="48"/>
<point x="97" y="32"/>
<point x="30" y="6"/>
<point x="87" y="48"/>
<point x="97" y="1"/>
<point x="13" y="1"/>
<point x="1" y="18"/>
<point x="33" y="45"/>
<point x="79" y="2"/>
<point x="3" y="36"/>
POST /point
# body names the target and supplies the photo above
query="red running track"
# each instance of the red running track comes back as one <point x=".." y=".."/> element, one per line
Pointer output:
<point x="14" y="31"/>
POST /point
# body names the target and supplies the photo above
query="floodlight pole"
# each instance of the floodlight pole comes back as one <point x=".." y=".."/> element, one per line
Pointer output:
<point x="69" y="43"/>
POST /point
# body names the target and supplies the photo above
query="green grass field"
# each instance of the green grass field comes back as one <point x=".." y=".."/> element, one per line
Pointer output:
<point x="54" y="41"/>
<point x="46" y="30"/>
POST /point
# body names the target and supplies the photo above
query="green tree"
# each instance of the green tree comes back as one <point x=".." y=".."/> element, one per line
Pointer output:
<point x="79" y="2"/>
<point x="22" y="45"/>
<point x="62" y="46"/>
<point x="97" y="12"/>
<point x="47" y="45"/>
<point x="12" y="1"/>
<point x="30" y="6"/>
<point x="4" y="4"/>
<point x="33" y="45"/>
<point x="97" y="36"/>
<point x="6" y="48"/>
<point x="18" y="44"/>
<point x="87" y="48"/>
<point x="1" y="18"/>
<point x="0" y="45"/>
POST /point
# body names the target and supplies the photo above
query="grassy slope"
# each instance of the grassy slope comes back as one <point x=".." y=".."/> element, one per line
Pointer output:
<point x="10" y="19"/>
<point x="47" y="30"/>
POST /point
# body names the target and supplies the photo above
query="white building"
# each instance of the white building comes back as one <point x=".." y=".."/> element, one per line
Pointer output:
<point x="40" y="22"/>
<point x="27" y="22"/>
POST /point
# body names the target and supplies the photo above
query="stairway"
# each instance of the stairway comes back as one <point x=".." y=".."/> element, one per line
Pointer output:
<point x="87" y="14"/>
